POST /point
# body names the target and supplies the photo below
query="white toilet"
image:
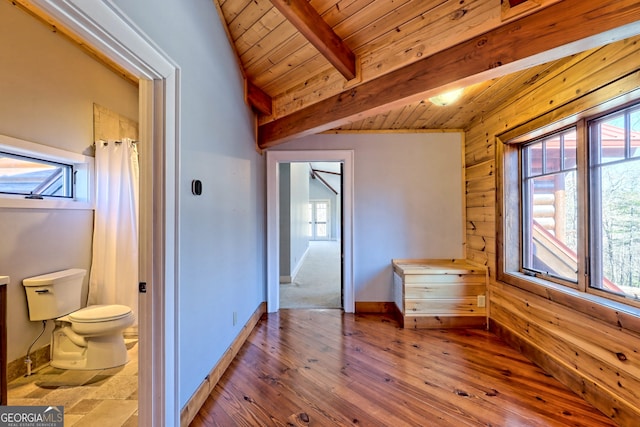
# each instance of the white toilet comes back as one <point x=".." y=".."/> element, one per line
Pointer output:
<point x="83" y="338"/>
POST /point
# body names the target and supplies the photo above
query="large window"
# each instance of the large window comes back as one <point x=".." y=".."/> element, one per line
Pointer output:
<point x="577" y="222"/>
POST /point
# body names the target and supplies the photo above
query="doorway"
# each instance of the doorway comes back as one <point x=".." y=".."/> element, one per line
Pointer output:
<point x="98" y="24"/>
<point x="310" y="256"/>
<point x="274" y="159"/>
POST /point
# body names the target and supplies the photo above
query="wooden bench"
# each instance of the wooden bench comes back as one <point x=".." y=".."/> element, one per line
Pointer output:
<point x="440" y="293"/>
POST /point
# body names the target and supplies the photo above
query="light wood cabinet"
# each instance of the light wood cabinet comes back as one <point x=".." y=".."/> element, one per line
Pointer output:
<point x="440" y="293"/>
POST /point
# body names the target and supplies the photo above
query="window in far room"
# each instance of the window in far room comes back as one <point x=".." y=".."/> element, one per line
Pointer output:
<point x="319" y="219"/>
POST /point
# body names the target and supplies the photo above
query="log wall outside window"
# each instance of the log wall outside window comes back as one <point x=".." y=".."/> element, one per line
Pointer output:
<point x="588" y="344"/>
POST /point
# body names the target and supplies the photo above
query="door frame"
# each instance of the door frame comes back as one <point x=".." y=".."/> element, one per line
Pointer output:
<point x="274" y="158"/>
<point x="103" y="26"/>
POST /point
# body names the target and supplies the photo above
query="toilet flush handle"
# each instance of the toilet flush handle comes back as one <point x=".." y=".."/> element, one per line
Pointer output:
<point x="42" y="291"/>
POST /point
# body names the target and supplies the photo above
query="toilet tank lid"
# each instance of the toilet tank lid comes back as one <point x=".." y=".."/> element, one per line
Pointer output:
<point x="45" y="279"/>
<point x="96" y="313"/>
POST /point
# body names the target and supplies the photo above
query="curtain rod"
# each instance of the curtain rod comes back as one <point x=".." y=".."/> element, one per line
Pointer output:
<point x="115" y="142"/>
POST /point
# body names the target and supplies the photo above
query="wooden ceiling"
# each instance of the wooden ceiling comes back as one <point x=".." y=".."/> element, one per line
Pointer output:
<point x="313" y="66"/>
<point x="362" y="65"/>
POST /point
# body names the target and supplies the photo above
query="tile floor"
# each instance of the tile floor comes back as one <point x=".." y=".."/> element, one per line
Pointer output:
<point x="90" y="398"/>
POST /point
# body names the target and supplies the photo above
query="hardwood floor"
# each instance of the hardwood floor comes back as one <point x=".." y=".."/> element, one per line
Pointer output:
<point x="326" y="368"/>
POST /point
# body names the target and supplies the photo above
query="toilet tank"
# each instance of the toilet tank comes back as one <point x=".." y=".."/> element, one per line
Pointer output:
<point x="53" y="295"/>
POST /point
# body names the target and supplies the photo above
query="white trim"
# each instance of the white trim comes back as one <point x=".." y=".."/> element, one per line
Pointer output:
<point x="296" y="268"/>
<point x="103" y="26"/>
<point x="274" y="158"/>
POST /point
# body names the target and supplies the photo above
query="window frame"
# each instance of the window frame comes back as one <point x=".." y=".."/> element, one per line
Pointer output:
<point x="83" y="176"/>
<point x="65" y="173"/>
<point x="524" y="188"/>
<point x="508" y="218"/>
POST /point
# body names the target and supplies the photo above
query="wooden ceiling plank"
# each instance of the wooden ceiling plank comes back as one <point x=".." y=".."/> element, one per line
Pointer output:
<point x="408" y="111"/>
<point x="324" y="6"/>
<point x="285" y="57"/>
<point x="248" y="17"/>
<point x="307" y="20"/>
<point x="309" y="62"/>
<point x="559" y="30"/>
<point x="419" y="108"/>
<point x="377" y="19"/>
<point x="231" y="9"/>
<point x="261" y="50"/>
<point x="254" y="35"/>
<point x="415" y="38"/>
<point x="342" y="11"/>
<point x="593" y="72"/>
<point x="357" y="125"/>
<point x="379" y="120"/>
<point x="306" y="92"/>
<point x="391" y="118"/>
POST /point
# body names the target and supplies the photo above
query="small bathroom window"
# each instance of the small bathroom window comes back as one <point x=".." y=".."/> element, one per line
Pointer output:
<point x="34" y="177"/>
<point x="38" y="176"/>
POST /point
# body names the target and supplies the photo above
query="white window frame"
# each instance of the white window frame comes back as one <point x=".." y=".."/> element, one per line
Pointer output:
<point x="328" y="222"/>
<point x="83" y="167"/>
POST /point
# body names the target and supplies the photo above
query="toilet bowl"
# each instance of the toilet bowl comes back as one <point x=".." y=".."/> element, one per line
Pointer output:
<point x="83" y="338"/>
<point x="91" y="338"/>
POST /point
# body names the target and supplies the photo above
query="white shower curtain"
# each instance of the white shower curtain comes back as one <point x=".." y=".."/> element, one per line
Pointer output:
<point x="114" y="267"/>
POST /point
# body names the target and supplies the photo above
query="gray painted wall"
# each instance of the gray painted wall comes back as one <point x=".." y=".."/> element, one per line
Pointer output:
<point x="48" y="88"/>
<point x="294" y="197"/>
<point x="284" y="256"/>
<point x="408" y="201"/>
<point x="221" y="233"/>
<point x="299" y="214"/>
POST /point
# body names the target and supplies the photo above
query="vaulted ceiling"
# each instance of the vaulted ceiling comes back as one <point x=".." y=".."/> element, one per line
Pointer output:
<point x="319" y="65"/>
<point x="313" y="66"/>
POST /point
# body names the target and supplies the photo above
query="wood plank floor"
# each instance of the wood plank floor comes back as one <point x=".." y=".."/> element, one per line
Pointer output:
<point x="328" y="368"/>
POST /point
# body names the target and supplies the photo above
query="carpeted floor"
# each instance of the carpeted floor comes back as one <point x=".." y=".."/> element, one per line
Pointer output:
<point x="317" y="284"/>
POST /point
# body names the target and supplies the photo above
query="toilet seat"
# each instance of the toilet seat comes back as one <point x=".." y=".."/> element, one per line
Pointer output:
<point x="99" y="313"/>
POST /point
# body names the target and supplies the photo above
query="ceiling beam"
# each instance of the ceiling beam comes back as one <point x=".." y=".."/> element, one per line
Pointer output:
<point x="308" y="21"/>
<point x="257" y="98"/>
<point x="316" y="174"/>
<point x="560" y="30"/>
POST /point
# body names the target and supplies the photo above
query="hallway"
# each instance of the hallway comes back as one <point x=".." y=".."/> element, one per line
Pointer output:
<point x="317" y="284"/>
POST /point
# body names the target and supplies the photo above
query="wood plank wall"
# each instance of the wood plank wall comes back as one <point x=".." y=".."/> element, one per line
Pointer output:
<point x="582" y="343"/>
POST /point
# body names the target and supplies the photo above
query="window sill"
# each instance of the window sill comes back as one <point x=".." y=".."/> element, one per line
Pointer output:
<point x="616" y="313"/>
<point x="19" y="202"/>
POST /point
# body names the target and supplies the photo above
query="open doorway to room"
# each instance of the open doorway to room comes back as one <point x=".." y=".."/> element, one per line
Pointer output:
<point x="108" y="34"/>
<point x="310" y="239"/>
<point x="336" y="228"/>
